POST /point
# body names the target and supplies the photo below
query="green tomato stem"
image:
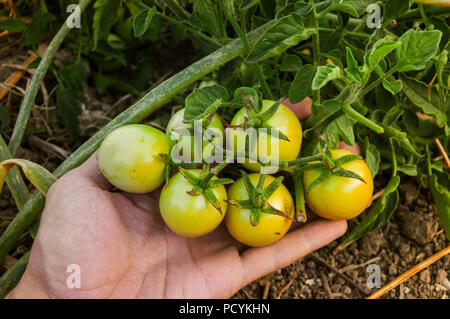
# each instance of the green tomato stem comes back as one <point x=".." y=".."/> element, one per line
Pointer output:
<point x="362" y="119"/>
<point x="378" y="81"/>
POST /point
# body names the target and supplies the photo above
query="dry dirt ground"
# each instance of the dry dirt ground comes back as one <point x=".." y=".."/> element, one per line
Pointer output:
<point x="413" y="234"/>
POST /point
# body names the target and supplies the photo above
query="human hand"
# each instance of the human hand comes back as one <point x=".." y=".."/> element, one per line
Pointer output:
<point x="124" y="249"/>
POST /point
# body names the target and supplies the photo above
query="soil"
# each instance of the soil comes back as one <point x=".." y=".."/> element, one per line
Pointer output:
<point x="412" y="235"/>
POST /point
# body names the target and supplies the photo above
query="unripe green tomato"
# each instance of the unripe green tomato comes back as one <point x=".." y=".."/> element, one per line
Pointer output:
<point x="246" y="74"/>
<point x="129" y="158"/>
<point x="271" y="227"/>
<point x="340" y="197"/>
<point x="175" y="125"/>
<point x="187" y="215"/>
<point x="285" y="121"/>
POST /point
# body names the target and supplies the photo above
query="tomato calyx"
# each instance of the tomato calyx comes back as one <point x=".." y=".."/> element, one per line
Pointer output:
<point x="329" y="167"/>
<point x="205" y="183"/>
<point x="256" y="120"/>
<point x="257" y="202"/>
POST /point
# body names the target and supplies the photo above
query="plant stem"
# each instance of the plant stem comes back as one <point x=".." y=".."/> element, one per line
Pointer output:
<point x="35" y="84"/>
<point x="362" y="119"/>
<point x="177" y="10"/>
<point x="316" y="47"/>
<point x="242" y="34"/>
<point x="394" y="157"/>
<point x="11" y="278"/>
<point x="378" y="81"/>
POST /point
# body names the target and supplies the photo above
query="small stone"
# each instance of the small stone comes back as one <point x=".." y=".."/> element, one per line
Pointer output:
<point x="425" y="276"/>
<point x="311" y="264"/>
<point x="441" y="276"/>
<point x="347" y="290"/>
<point x="418" y="227"/>
<point x="310" y="282"/>
<point x="404" y="249"/>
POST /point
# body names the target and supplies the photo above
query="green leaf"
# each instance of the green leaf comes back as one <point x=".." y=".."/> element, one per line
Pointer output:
<point x="401" y="138"/>
<point x="332" y="106"/>
<point x="378" y="52"/>
<point x="301" y="86"/>
<point x="345" y="8"/>
<point x="104" y="17"/>
<point x="373" y="159"/>
<point x="417" y="92"/>
<point x="353" y="70"/>
<point x="141" y="21"/>
<point x="416" y="49"/>
<point x="324" y="74"/>
<point x="392" y="115"/>
<point x="209" y="15"/>
<point x="290" y="63"/>
<point x="37" y="30"/>
<point x="345" y="125"/>
<point x="394" y="9"/>
<point x="379" y="214"/>
<point x="393" y="87"/>
<point x="285" y="33"/>
<point x="441" y="197"/>
<point x="200" y="99"/>
<point x="408" y="169"/>
<point x="68" y="102"/>
<point x="12" y="25"/>
<point x="248" y="98"/>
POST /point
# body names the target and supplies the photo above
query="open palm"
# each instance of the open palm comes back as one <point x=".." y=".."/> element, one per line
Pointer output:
<point x="124" y="250"/>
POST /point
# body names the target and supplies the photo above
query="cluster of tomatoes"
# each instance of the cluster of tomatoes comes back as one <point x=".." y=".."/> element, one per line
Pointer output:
<point x="257" y="208"/>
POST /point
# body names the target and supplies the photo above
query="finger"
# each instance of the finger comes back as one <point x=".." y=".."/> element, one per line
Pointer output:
<point x="258" y="262"/>
<point x="302" y="109"/>
<point x="90" y="171"/>
<point x="352" y="148"/>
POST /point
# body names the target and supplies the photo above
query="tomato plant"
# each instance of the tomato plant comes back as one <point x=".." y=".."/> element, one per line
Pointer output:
<point x="129" y="158"/>
<point x="259" y="218"/>
<point x="379" y="85"/>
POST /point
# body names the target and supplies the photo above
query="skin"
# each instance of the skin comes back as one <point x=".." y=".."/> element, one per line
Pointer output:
<point x="345" y="197"/>
<point x="186" y="143"/>
<point x="129" y="158"/>
<point x="182" y="212"/>
<point x="303" y="109"/>
<point x="270" y="228"/>
<point x="125" y="250"/>
<point x="286" y="121"/>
